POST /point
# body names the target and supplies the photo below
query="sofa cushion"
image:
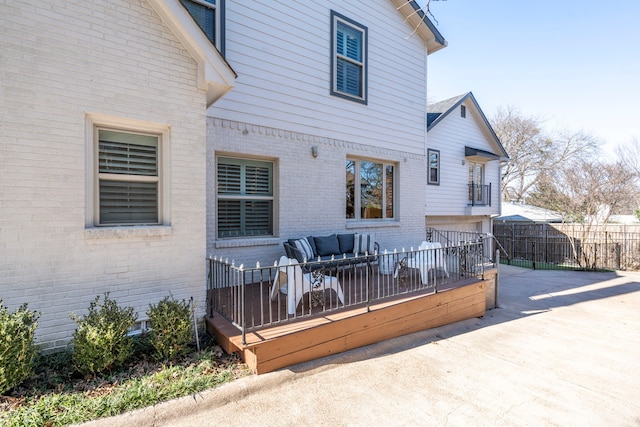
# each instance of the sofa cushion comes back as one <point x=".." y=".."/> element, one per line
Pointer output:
<point x="364" y="243"/>
<point x="346" y="243"/>
<point x="327" y="245"/>
<point x="312" y="243"/>
<point x="304" y="247"/>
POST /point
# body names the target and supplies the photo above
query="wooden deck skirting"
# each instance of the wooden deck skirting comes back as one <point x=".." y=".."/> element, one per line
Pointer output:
<point x="284" y="345"/>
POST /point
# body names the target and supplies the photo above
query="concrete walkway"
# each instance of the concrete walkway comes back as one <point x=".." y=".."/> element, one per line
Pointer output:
<point x="563" y="349"/>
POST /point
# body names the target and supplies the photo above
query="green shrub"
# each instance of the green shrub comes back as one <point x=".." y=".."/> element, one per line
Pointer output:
<point x="100" y="343"/>
<point x="17" y="348"/>
<point x="171" y="328"/>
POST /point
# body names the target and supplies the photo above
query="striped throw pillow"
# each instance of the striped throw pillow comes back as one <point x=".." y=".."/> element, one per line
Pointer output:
<point x="304" y="247"/>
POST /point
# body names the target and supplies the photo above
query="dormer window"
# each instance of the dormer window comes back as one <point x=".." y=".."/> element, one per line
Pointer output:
<point x="209" y="14"/>
<point x="349" y="58"/>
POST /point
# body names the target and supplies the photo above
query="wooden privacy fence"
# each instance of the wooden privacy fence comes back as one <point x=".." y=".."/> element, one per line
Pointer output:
<point x="571" y="246"/>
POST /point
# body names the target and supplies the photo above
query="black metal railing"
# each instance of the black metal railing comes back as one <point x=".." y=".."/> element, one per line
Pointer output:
<point x="479" y="195"/>
<point x="255" y="297"/>
<point x="570" y="246"/>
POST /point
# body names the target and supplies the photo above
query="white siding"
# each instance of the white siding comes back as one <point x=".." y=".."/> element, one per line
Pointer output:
<point x="451" y="197"/>
<point x="60" y="60"/>
<point x="281" y="52"/>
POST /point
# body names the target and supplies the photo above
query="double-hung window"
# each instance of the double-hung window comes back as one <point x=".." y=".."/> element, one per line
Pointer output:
<point x="129" y="188"/>
<point x="244" y="197"/>
<point x="209" y="14"/>
<point x="371" y="189"/>
<point x="349" y="58"/>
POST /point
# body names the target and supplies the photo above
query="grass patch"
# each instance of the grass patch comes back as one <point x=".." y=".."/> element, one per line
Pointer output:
<point x="56" y="396"/>
<point x="546" y="265"/>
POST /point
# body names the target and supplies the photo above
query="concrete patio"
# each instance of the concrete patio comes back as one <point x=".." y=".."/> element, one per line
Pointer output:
<point x="563" y="349"/>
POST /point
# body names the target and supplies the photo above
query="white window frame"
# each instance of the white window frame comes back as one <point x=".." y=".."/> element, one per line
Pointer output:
<point x="336" y="20"/>
<point x="247" y="197"/>
<point x="357" y="193"/>
<point x="477" y="171"/>
<point x="431" y="152"/>
<point x="95" y="123"/>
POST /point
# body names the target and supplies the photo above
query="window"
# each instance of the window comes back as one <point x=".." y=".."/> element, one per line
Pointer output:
<point x="349" y="58"/>
<point x="434" y="167"/>
<point x="245" y="198"/>
<point x="370" y="189"/>
<point x="209" y="14"/>
<point x="479" y="194"/>
<point x="463" y="111"/>
<point x="128" y="178"/>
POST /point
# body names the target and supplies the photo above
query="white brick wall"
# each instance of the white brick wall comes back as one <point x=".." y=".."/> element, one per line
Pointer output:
<point x="311" y="191"/>
<point x="60" y="60"/>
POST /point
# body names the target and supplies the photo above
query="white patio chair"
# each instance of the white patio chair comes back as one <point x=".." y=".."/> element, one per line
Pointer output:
<point x="299" y="283"/>
<point x="430" y="256"/>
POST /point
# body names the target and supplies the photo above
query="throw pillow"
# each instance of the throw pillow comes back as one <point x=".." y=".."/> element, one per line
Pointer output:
<point x="327" y="245"/>
<point x="346" y="243"/>
<point x="364" y="243"/>
<point x="304" y="247"/>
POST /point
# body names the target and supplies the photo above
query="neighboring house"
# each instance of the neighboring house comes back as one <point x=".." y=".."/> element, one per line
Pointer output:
<point x="102" y="155"/>
<point x="324" y="131"/>
<point x="520" y="213"/>
<point x="465" y="155"/>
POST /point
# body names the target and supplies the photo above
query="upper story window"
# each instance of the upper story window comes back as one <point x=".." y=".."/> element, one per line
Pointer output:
<point x="349" y="58"/>
<point x="370" y="189"/>
<point x="434" y="167"/>
<point x="463" y="111"/>
<point x="209" y="14"/>
<point x="245" y="197"/>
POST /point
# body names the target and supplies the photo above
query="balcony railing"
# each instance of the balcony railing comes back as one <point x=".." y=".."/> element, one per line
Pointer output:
<point x="479" y="195"/>
<point x="255" y="297"/>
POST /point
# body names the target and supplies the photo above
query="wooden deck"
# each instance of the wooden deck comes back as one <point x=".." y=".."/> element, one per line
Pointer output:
<point x="328" y="332"/>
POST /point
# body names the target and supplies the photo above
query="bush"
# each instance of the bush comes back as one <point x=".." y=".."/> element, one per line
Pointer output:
<point x="100" y="343"/>
<point x="17" y="348"/>
<point x="171" y="328"/>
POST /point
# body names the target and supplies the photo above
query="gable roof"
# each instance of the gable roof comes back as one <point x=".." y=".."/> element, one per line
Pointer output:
<point x="421" y="24"/>
<point x="215" y="75"/>
<point x="438" y="111"/>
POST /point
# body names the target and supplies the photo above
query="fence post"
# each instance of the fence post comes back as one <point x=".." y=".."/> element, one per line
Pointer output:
<point x="495" y="289"/>
<point x="533" y="254"/>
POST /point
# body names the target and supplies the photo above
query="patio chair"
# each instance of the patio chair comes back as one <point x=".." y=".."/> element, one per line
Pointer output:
<point x="297" y="283"/>
<point x="430" y="256"/>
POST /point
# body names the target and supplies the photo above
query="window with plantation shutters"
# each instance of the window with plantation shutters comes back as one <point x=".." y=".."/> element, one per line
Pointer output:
<point x="348" y="68"/>
<point x="245" y="198"/>
<point x="128" y="178"/>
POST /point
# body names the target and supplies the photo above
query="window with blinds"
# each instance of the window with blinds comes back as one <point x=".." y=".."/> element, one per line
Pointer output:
<point x="245" y="198"/>
<point x="349" y="45"/>
<point x="208" y="14"/>
<point x="128" y="178"/>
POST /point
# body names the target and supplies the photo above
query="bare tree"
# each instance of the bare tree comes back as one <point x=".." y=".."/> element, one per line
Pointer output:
<point x="587" y="192"/>
<point x="534" y="153"/>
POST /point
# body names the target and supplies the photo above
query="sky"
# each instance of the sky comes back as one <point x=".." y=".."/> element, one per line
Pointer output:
<point x="573" y="64"/>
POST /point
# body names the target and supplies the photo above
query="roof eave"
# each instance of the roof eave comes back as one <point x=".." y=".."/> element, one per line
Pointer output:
<point x="421" y="24"/>
<point x="214" y="74"/>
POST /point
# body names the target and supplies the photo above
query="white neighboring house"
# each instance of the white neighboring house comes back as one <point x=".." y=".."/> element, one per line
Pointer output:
<point x="465" y="155"/>
<point x="324" y="131"/>
<point x="102" y="155"/>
